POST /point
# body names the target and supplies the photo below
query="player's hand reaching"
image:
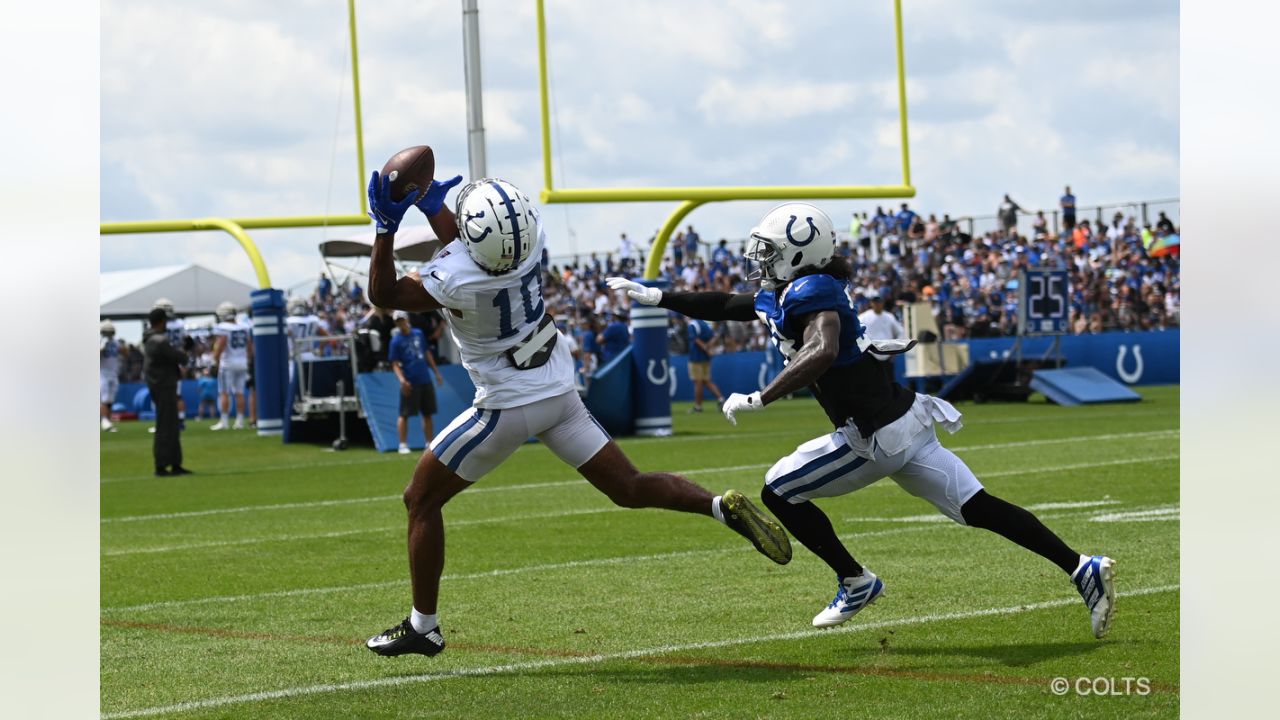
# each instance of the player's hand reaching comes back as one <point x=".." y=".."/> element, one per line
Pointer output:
<point x="387" y="213"/>
<point x="433" y="199"/>
<point x="738" y="402"/>
<point x="640" y="293"/>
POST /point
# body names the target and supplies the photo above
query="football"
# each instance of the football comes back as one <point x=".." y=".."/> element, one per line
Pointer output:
<point x="409" y="170"/>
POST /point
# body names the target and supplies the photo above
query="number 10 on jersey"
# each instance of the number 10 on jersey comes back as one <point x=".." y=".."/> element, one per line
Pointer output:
<point x="532" y="312"/>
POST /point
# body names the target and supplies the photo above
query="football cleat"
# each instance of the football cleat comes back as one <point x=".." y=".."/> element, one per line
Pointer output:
<point x="852" y="594"/>
<point x="220" y="425"/>
<point x="1095" y="580"/>
<point x="763" y="531"/>
<point x="239" y="425"/>
<point x="404" y="449"/>
<point x="403" y="639"/>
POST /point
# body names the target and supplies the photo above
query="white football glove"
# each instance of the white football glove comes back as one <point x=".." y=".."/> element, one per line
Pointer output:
<point x="640" y="293"/>
<point x="738" y="402"/>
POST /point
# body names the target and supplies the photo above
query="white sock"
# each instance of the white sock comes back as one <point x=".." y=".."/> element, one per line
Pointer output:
<point x="224" y="418"/>
<point x="423" y="623"/>
<point x="715" y="508"/>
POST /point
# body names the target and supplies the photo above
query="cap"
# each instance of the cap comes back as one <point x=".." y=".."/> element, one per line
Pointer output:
<point x="399" y="315"/>
<point x="873" y="294"/>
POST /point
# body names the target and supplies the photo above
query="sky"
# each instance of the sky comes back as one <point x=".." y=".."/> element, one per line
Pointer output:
<point x="237" y="108"/>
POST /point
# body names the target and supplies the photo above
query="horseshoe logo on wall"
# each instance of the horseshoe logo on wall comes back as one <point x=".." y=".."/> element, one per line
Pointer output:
<point x="1136" y="375"/>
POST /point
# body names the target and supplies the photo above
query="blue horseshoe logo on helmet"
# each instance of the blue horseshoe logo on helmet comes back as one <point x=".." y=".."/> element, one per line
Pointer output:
<point x="813" y="232"/>
<point x="466" y="227"/>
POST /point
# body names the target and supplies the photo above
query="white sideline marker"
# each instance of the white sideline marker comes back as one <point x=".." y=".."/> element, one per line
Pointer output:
<point x="305" y="690"/>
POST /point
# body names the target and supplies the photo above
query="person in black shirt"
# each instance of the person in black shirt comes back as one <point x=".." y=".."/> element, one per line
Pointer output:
<point x="882" y="429"/>
<point x="162" y="368"/>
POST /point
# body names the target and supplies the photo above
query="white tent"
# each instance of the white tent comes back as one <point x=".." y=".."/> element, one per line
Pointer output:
<point x="413" y="244"/>
<point x="194" y="290"/>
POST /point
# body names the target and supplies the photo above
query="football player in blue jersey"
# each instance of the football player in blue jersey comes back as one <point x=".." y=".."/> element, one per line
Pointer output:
<point x="882" y="429"/>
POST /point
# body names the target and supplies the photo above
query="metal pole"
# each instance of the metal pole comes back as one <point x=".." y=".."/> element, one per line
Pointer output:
<point x="471" y="70"/>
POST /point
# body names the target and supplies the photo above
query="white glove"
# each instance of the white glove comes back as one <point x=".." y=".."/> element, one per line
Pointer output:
<point x="640" y="293"/>
<point x="738" y="402"/>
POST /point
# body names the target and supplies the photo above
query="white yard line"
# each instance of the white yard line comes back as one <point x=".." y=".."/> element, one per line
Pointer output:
<point x="534" y="665"/>
<point x="938" y="517"/>
<point x="527" y="486"/>
<point x="364" y="531"/>
<point x="498" y="572"/>
<point x="343" y="533"/>
<point x="1168" y="512"/>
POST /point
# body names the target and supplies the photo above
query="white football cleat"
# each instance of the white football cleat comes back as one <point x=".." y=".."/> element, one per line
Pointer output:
<point x="152" y="429"/>
<point x="404" y="449"/>
<point x="1095" y="581"/>
<point x="852" y="594"/>
<point x="239" y="424"/>
<point x="108" y="426"/>
<point x="220" y="425"/>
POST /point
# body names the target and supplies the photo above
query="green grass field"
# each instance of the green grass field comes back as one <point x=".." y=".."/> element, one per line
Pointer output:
<point x="247" y="590"/>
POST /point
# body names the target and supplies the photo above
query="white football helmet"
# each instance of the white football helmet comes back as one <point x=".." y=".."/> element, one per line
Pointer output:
<point x="107" y="328"/>
<point x="226" y="311"/>
<point x="790" y="237"/>
<point x="298" y="306"/>
<point x="498" y="224"/>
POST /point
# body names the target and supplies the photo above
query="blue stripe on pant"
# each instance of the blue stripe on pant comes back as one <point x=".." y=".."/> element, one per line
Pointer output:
<point x="834" y="474"/>
<point x="443" y="447"/>
<point x="809" y="467"/>
<point x="490" y="423"/>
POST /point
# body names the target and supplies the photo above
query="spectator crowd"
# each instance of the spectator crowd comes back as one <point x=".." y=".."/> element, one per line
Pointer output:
<point x="1123" y="276"/>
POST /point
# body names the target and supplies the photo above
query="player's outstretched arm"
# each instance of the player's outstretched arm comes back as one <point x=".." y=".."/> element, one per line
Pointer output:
<point x="385" y="289"/>
<point x="700" y="305"/>
<point x="821" y="346"/>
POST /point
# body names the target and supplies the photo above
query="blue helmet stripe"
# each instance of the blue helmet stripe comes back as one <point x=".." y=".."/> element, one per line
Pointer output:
<point x="515" y="220"/>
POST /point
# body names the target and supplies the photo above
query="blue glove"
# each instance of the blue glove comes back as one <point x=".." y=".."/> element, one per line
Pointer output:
<point x="387" y="213"/>
<point x="433" y="199"/>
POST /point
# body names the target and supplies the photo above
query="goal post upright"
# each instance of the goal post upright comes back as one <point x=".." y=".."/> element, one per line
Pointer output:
<point x="692" y="197"/>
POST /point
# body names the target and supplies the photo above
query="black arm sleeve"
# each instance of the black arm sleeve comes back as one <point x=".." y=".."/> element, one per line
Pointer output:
<point x="711" y="305"/>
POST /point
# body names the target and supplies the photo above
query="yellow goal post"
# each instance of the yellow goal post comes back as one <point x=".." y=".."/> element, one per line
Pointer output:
<point x="692" y="197"/>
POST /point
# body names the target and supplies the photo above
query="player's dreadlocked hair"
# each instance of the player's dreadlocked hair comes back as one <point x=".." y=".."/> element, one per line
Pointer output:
<point x="837" y="267"/>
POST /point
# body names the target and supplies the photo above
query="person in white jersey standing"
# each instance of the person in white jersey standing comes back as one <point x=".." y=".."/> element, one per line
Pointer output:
<point x="108" y="372"/>
<point x="488" y="280"/>
<point x="232" y="353"/>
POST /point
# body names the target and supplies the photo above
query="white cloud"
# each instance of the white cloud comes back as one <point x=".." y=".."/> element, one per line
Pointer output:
<point x="770" y="102"/>
<point x="237" y="107"/>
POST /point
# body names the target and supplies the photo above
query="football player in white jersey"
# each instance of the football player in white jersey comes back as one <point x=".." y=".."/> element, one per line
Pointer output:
<point x="176" y="330"/>
<point x="108" y="372"/>
<point x="301" y="324"/>
<point x="488" y="280"/>
<point x="232" y="353"/>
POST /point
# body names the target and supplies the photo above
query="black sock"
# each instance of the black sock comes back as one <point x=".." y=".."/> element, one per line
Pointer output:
<point x="810" y="526"/>
<point x="1014" y="523"/>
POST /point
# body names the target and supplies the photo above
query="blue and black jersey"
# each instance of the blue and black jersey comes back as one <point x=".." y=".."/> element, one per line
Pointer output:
<point x="857" y="386"/>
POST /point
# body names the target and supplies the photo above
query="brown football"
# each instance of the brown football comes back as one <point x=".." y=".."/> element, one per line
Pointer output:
<point x="410" y="169"/>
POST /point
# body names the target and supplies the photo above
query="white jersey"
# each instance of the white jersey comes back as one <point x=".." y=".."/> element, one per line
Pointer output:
<point x="299" y="327"/>
<point x="175" y="329"/>
<point x="490" y="314"/>
<point x="235" y="354"/>
<point x="108" y="356"/>
<point x="883" y="326"/>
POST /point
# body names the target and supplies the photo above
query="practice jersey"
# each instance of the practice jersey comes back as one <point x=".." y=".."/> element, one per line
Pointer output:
<point x="490" y="314"/>
<point x="175" y="329"/>
<point x="300" y="327"/>
<point x="235" y="354"/>
<point x="108" y="356"/>
<point x="856" y="387"/>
